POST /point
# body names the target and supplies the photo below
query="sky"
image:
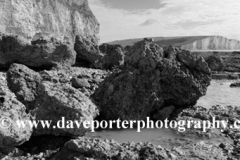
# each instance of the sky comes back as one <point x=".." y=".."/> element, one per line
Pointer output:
<point x="128" y="19"/>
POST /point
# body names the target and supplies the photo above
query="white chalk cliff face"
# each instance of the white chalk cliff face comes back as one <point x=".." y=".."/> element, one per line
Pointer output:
<point x="191" y="42"/>
<point x="63" y="19"/>
<point x="213" y="43"/>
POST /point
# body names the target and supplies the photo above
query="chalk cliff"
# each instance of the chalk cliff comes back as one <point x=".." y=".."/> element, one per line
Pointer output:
<point x="213" y="43"/>
<point x="63" y="19"/>
<point x="190" y="43"/>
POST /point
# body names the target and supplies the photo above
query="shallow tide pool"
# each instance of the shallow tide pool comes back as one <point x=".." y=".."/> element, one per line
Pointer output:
<point x="218" y="93"/>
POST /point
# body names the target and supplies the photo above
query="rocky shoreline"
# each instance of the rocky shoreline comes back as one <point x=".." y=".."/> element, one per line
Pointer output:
<point x="67" y="74"/>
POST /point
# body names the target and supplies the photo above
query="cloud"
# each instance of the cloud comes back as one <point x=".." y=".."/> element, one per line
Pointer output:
<point x="189" y="24"/>
<point x="148" y="22"/>
<point x="173" y="18"/>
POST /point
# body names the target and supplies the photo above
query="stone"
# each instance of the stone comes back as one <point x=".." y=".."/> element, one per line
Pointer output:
<point x="55" y="101"/>
<point x="87" y="51"/>
<point x="11" y="110"/>
<point x="215" y="63"/>
<point x="235" y="84"/>
<point x="150" y="82"/>
<point x="80" y="83"/>
<point x="45" y="53"/>
<point x="24" y="83"/>
<point x="113" y="55"/>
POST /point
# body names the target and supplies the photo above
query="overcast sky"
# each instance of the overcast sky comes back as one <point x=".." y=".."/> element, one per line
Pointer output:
<point x="126" y="19"/>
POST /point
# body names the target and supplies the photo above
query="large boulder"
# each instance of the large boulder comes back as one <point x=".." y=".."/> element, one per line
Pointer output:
<point x="24" y="83"/>
<point x="48" y="95"/>
<point x="87" y="51"/>
<point x="11" y="111"/>
<point x="44" y="53"/>
<point x="57" y="101"/>
<point x="151" y="82"/>
<point x="215" y="63"/>
<point x="113" y="55"/>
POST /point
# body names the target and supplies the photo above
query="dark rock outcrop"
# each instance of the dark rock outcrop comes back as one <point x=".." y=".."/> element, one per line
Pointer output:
<point x="149" y="82"/>
<point x="215" y="63"/>
<point x="113" y="55"/>
<point x="45" y="53"/>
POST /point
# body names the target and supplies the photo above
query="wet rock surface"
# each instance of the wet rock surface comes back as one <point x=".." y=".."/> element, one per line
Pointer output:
<point x="149" y="82"/>
<point x="228" y="114"/>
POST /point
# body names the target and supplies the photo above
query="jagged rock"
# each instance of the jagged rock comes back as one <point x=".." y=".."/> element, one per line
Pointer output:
<point x="97" y="149"/>
<point x="54" y="101"/>
<point x="11" y="110"/>
<point x="64" y="19"/>
<point x="235" y="84"/>
<point x="44" y="53"/>
<point x="88" y="51"/>
<point x="24" y="83"/>
<point x="113" y="55"/>
<point x="49" y="95"/>
<point x="109" y="149"/>
<point x="149" y="82"/>
<point x="215" y="63"/>
<point x="170" y="52"/>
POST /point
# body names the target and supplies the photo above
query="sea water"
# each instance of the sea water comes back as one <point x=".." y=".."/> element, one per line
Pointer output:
<point x="218" y="93"/>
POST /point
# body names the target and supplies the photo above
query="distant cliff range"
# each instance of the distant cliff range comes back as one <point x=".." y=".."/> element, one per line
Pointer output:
<point x="191" y="43"/>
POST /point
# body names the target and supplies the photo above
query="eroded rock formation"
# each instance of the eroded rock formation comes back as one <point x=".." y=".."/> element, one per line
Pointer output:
<point x="113" y="55"/>
<point x="11" y="110"/>
<point x="151" y="81"/>
<point x="49" y="95"/>
<point x="45" y="53"/>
